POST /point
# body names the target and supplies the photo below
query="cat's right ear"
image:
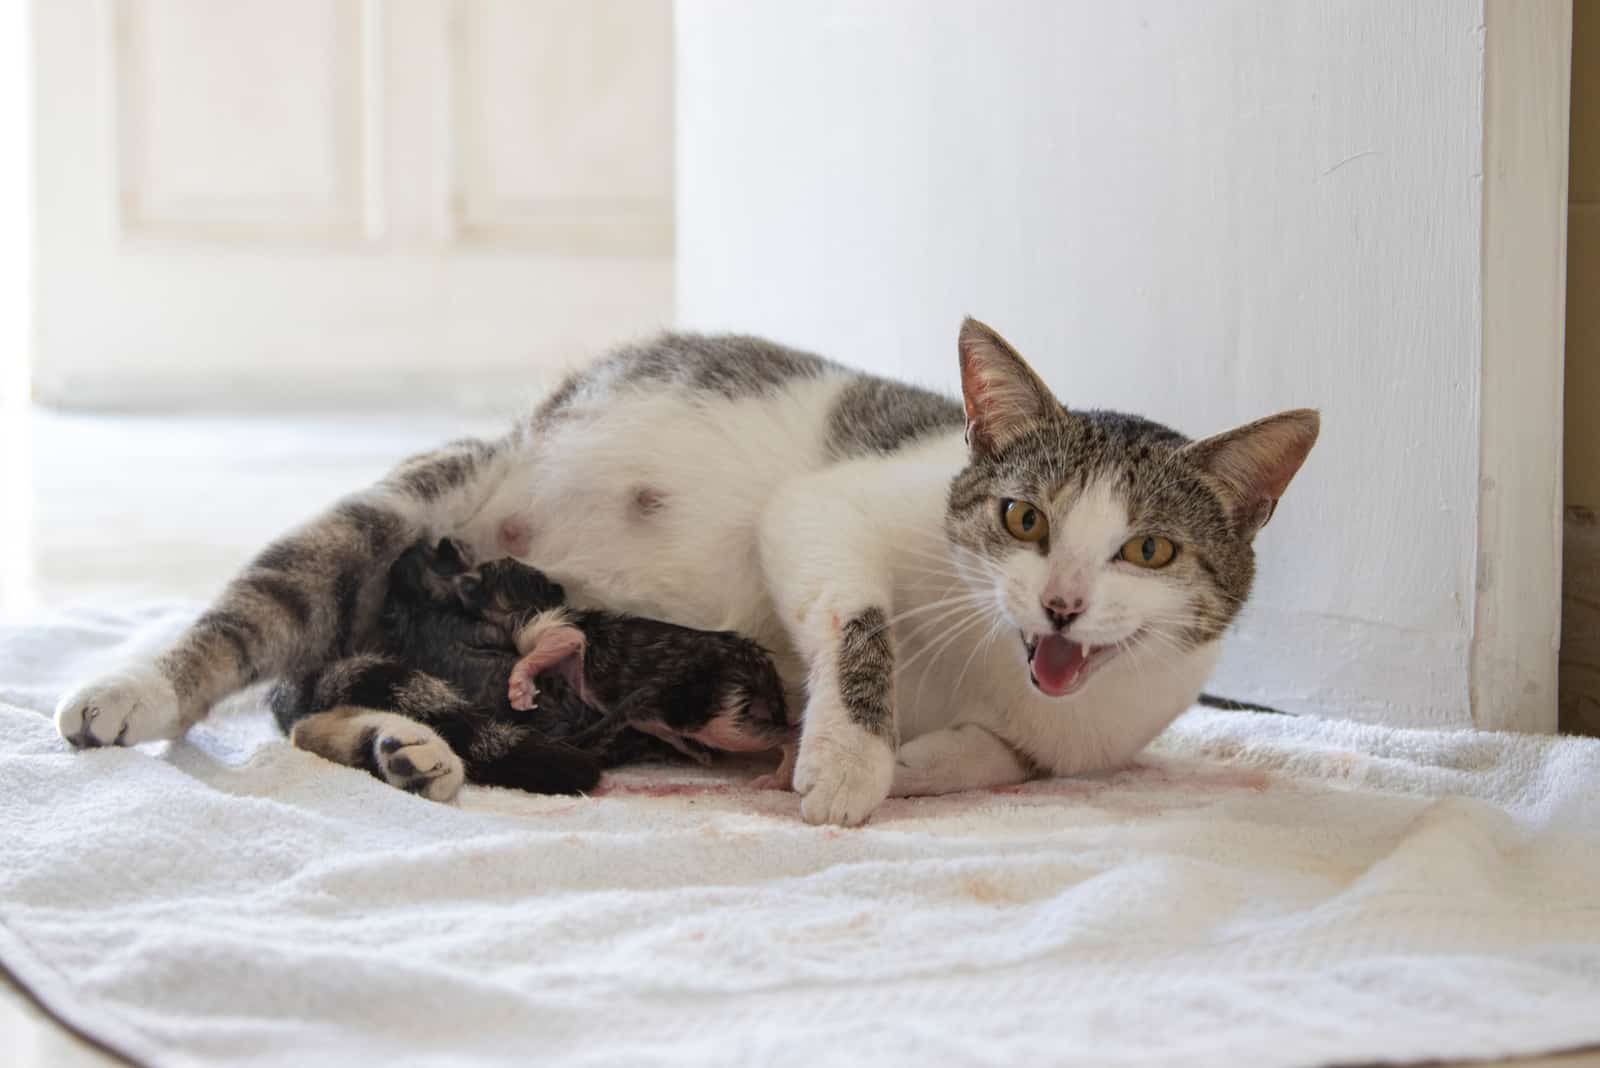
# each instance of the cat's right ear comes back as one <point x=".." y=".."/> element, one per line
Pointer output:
<point x="1003" y="396"/>
<point x="1252" y="465"/>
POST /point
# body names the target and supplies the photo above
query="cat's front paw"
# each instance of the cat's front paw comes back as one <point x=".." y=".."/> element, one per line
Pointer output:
<point x="413" y="758"/>
<point x="843" y="774"/>
<point x="136" y="704"/>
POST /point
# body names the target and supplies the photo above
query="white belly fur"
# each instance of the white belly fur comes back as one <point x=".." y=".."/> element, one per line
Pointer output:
<point x="712" y="464"/>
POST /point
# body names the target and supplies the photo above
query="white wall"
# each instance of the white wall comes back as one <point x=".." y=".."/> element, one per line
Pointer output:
<point x="1201" y="212"/>
<point x="16" y="171"/>
<point x="16" y="282"/>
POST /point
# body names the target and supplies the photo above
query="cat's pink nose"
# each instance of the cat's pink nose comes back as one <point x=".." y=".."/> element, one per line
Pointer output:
<point x="1063" y="610"/>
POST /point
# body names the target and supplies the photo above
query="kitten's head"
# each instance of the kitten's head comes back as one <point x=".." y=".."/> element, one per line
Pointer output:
<point x="507" y="587"/>
<point x="421" y="576"/>
<point x="1098" y="534"/>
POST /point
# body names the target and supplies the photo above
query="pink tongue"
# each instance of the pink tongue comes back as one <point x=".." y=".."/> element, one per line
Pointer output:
<point x="1056" y="664"/>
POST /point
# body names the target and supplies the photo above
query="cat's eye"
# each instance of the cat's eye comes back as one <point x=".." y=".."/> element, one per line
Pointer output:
<point x="1148" y="550"/>
<point x="1023" y="521"/>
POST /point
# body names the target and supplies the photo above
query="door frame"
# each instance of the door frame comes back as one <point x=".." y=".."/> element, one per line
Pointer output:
<point x="1516" y="634"/>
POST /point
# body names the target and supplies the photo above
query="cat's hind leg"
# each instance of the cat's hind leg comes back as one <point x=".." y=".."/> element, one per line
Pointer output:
<point x="374" y="713"/>
<point x="397" y="749"/>
<point x="418" y="733"/>
<point x="307" y="599"/>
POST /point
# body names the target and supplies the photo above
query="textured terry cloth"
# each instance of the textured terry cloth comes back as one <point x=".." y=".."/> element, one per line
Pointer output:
<point x="1257" y="890"/>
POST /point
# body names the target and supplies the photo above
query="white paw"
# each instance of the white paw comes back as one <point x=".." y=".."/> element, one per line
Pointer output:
<point x="843" y="774"/>
<point x="416" y="760"/>
<point x="136" y="704"/>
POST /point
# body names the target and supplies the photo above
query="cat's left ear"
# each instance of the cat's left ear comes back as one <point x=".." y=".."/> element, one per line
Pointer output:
<point x="1253" y="464"/>
<point x="1002" y="394"/>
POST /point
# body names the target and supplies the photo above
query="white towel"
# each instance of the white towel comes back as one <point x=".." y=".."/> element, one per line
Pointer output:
<point x="1257" y="890"/>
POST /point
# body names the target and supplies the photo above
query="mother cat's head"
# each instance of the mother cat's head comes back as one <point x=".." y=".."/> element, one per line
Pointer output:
<point x="1102" y="535"/>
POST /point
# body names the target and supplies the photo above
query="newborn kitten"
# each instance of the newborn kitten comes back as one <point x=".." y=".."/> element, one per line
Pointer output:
<point x="430" y="627"/>
<point x="694" y="689"/>
<point x="446" y="659"/>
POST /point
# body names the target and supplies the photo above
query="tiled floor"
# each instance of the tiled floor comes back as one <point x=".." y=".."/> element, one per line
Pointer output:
<point x="97" y="505"/>
<point x="171" y="506"/>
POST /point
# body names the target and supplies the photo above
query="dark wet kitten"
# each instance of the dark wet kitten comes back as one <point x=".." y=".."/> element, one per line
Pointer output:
<point x="612" y="689"/>
<point x="696" y="690"/>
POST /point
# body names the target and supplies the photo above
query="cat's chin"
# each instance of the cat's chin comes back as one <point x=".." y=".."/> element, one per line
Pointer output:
<point x="1060" y="667"/>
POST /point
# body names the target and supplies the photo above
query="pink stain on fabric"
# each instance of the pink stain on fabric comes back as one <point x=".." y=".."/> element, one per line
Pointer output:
<point x="663" y="789"/>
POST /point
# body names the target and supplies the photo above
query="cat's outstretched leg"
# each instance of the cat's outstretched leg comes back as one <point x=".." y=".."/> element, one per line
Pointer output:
<point x="303" y="602"/>
<point x="373" y="713"/>
<point x="964" y="757"/>
<point x="832" y="588"/>
<point x="848" y="738"/>
<point x="395" y="748"/>
<point x="418" y="733"/>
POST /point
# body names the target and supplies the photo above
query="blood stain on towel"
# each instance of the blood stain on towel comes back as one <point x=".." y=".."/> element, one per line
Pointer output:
<point x="559" y="810"/>
<point x="828" y="930"/>
<point x="1342" y="765"/>
<point x="1054" y="788"/>
<point x="1205" y="778"/>
<point x="986" y="892"/>
<point x="1143" y="788"/>
<point x="663" y="789"/>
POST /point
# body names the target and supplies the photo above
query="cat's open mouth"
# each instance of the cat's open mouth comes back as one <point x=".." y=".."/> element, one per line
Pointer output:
<point x="1059" y="666"/>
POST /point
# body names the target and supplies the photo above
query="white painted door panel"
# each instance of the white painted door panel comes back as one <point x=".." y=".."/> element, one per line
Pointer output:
<point x="519" y="68"/>
<point x="320" y="202"/>
<point x="242" y="117"/>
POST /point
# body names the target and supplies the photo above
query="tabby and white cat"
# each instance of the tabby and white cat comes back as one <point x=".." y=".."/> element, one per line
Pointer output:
<point x="970" y="595"/>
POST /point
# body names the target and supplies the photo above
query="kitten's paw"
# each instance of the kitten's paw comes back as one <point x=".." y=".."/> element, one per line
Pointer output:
<point x="521" y="692"/>
<point x="771" y="781"/>
<point x="781" y="777"/>
<point x="416" y="760"/>
<point x="842" y="775"/>
<point x="133" y="705"/>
